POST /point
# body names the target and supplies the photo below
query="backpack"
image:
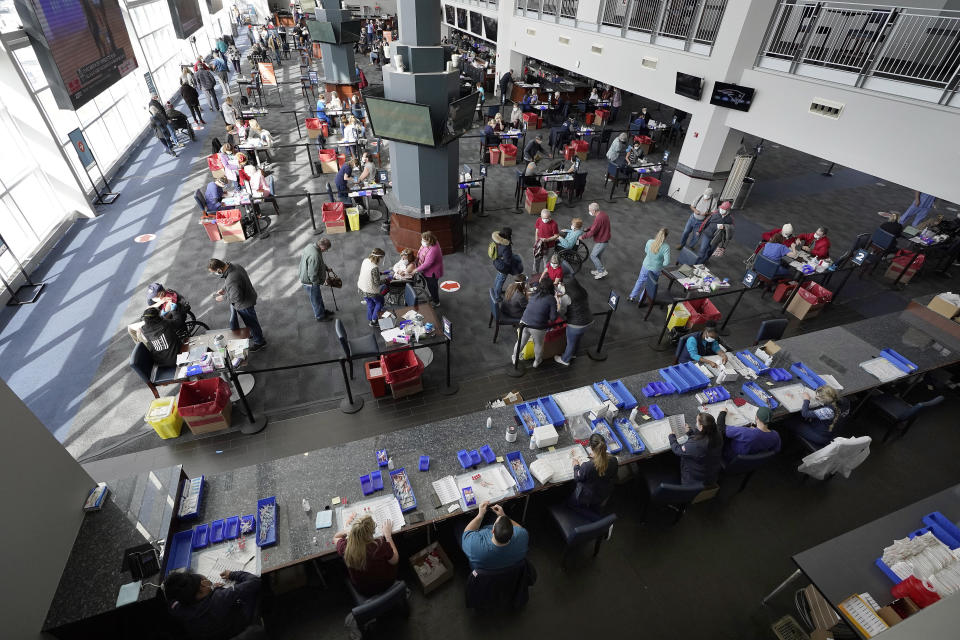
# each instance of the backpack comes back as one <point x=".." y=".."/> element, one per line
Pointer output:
<point x="492" y="250"/>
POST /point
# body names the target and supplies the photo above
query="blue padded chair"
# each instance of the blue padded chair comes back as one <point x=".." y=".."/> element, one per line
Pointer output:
<point x="898" y="414"/>
<point x="577" y="528"/>
<point x="745" y="465"/>
<point x="882" y="241"/>
<point x="497" y="318"/>
<point x="768" y="271"/>
<point x="681" y="345"/>
<point x="357" y="347"/>
<point x="152" y="374"/>
<point x="368" y="610"/>
<point x="771" y="330"/>
<point x="649" y="293"/>
<point x="687" y="256"/>
<point x="506" y="588"/>
<point x="676" y="497"/>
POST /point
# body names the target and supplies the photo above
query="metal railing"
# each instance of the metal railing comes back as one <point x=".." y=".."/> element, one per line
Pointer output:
<point x="693" y="21"/>
<point x="568" y="8"/>
<point x="917" y="46"/>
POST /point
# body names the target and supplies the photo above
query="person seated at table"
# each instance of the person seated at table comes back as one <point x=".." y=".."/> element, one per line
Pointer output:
<point x="701" y="453"/>
<point x="786" y="233"/>
<point x="210" y="611"/>
<point x="228" y="160"/>
<point x="530" y="177"/>
<point x="534" y="149"/>
<point x="161" y="334"/>
<point x="816" y="426"/>
<point x="570" y="237"/>
<point x="214" y="194"/>
<point x="775" y="250"/>
<point x="594" y="478"/>
<point x="594" y="95"/>
<point x="491" y="139"/>
<point x="816" y="243"/>
<point x="892" y="225"/>
<point x="334" y="103"/>
<point x="368" y="171"/>
<point x="702" y="343"/>
<point x="371" y="562"/>
<point x="356" y="107"/>
<point x="322" y="109"/>
<point x="498" y="122"/>
<point x="494" y="546"/>
<point x="617" y="148"/>
<point x="750" y="439"/>
<point x="403" y="269"/>
<point x="516" y="116"/>
<point x="345" y="173"/>
<point x="634" y="154"/>
<point x="515" y="297"/>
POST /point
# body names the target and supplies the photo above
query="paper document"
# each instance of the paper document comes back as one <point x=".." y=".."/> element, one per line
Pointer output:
<point x="656" y="434"/>
<point x="446" y="489"/>
<point x="832" y="382"/>
<point x="736" y="416"/>
<point x="226" y="556"/>
<point x="129" y="592"/>
<point x="490" y="484"/>
<point x="382" y="508"/>
<point x="577" y="402"/>
<point x="324" y="519"/>
<point x="560" y="461"/>
<point x="882" y="369"/>
<point x="791" y="397"/>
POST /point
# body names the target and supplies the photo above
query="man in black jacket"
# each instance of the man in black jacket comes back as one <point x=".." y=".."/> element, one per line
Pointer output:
<point x="161" y="334"/>
<point x="192" y="100"/>
<point x="239" y="292"/>
<point x="212" y="612"/>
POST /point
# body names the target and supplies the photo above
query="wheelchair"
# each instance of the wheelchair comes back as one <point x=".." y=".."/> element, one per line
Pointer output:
<point x="396" y="295"/>
<point x="573" y="257"/>
<point x="181" y="124"/>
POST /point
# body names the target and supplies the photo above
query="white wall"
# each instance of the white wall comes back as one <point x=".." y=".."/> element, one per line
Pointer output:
<point x="45" y="489"/>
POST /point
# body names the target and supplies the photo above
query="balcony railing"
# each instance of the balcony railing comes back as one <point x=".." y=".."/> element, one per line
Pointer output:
<point x="687" y="24"/>
<point x="911" y="52"/>
<point x="547" y="9"/>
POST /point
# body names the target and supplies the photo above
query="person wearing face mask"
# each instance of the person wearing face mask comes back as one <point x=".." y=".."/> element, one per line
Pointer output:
<point x="547" y="233"/>
<point x="703" y="343"/>
<point x="239" y="292"/>
<point x="657" y="254"/>
<point x="578" y="317"/>
<point x="553" y="271"/>
<point x="817" y="243"/>
<point x="700" y="210"/>
<point x="701" y="453"/>
<point x="540" y="313"/>
<point x="786" y="231"/>
<point x="600" y="232"/>
<point x="715" y="232"/>
<point x="594" y="478"/>
<point x="371" y="285"/>
<point x="430" y="264"/>
<point x="775" y="250"/>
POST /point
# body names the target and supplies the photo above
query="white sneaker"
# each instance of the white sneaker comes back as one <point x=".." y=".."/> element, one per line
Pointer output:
<point x="537" y="363"/>
<point x="600" y="275"/>
<point x="559" y="359"/>
<point x="513" y="357"/>
<point x="594" y="271"/>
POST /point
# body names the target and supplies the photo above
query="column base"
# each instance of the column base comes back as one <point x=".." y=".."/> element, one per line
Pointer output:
<point x="405" y="231"/>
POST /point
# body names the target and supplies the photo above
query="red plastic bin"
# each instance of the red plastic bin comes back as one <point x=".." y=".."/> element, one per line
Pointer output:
<point x="494" y="155"/>
<point x="701" y="312"/>
<point x="378" y="383"/>
<point x="509" y="150"/>
<point x="569" y="152"/>
<point x="581" y="145"/>
<point x="588" y="118"/>
<point x="203" y="397"/>
<point x="209" y="224"/>
<point x="814" y="293"/>
<point x="536" y="194"/>
<point x="401" y="367"/>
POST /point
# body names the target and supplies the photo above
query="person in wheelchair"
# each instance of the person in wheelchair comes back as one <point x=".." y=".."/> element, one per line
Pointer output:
<point x="179" y="121"/>
<point x="162" y="335"/>
<point x="404" y="285"/>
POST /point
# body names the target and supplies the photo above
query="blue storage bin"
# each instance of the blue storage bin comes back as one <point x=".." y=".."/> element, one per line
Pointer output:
<point x="685" y="377"/>
<point x="464" y="457"/>
<point x="216" y="531"/>
<point x="270" y="536"/>
<point x="806" y="375"/>
<point x="376" y="478"/>
<point x="623" y="398"/>
<point x="178" y="553"/>
<point x="475" y="458"/>
<point x="752" y="361"/>
<point x="715" y="394"/>
<point x="657" y="388"/>
<point x="887" y="571"/>
<point x="755" y="393"/>
<point x="655" y="412"/>
<point x="366" y="484"/>
<point x="232" y="527"/>
<point x="547" y="405"/>
<point x="899" y="361"/>
<point x="780" y="375"/>
<point x="602" y="427"/>
<point x="424" y="463"/>
<point x="399" y="480"/>
<point x="628" y="435"/>
<point x="382" y="458"/>
<point x="943" y="528"/>
<point x="201" y="536"/>
<point x="488" y="455"/>
<point x="248" y="525"/>
<point x="525" y="475"/>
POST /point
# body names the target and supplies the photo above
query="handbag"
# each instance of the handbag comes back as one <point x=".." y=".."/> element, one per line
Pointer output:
<point x="333" y="280"/>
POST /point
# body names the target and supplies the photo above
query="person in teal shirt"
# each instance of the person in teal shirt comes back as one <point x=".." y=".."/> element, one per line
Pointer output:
<point x="571" y="235"/>
<point x="497" y="546"/>
<point x="658" y="254"/>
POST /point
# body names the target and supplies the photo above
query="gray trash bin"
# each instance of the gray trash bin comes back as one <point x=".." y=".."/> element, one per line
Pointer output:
<point x="745" y="188"/>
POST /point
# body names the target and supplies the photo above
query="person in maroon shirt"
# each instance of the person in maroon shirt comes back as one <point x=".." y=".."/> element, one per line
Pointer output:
<point x="371" y="563"/>
<point x="547" y="233"/>
<point x="600" y="232"/>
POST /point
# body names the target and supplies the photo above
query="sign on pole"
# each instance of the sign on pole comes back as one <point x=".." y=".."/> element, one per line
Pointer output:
<point x="82" y="148"/>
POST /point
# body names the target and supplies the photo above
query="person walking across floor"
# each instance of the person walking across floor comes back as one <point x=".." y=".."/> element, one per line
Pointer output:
<point x="599" y="231"/>
<point x="239" y="292"/>
<point x="920" y="209"/>
<point x="545" y="238"/>
<point x="155" y="107"/>
<point x="715" y="232"/>
<point x="207" y="83"/>
<point x="371" y="286"/>
<point x="578" y="317"/>
<point x="540" y="313"/>
<point x="616" y="101"/>
<point x="505" y="261"/>
<point x="313" y="274"/>
<point x="702" y="207"/>
<point x="220" y="68"/>
<point x="162" y="134"/>
<point x="234" y="55"/>
<point x="230" y="112"/>
<point x="657" y="255"/>
<point x="192" y="99"/>
<point x="430" y="264"/>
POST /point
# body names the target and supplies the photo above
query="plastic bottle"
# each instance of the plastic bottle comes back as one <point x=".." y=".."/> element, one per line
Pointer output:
<point x="511" y="433"/>
<point x="306" y="505"/>
<point x="489" y="422"/>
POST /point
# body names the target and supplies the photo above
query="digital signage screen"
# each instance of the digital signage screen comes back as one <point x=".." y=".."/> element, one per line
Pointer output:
<point x="401" y="121"/>
<point x="476" y="23"/>
<point x="490" y="26"/>
<point x="689" y="86"/>
<point x="186" y="17"/>
<point x="321" y="32"/>
<point x="732" y="96"/>
<point x="462" y="18"/>
<point x="459" y="118"/>
<point x="451" y="14"/>
<point x="85" y="42"/>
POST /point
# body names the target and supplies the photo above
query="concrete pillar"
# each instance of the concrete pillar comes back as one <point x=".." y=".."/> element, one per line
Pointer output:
<point x="706" y="157"/>
<point x="338" y="60"/>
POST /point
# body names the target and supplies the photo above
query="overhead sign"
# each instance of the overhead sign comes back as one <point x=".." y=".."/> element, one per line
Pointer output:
<point x="267" y="74"/>
<point x="82" y="148"/>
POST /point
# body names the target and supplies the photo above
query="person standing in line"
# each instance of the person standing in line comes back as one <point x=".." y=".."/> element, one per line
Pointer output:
<point x="187" y="77"/>
<point x="207" y="83"/>
<point x="578" y="316"/>
<point x="504" y="261"/>
<point x="220" y="68"/>
<point x="221" y="45"/>
<point x="155" y="107"/>
<point x="616" y="101"/>
<point x="919" y="210"/>
<point x="716" y="232"/>
<point x="370" y="284"/>
<point x="430" y="264"/>
<point x="313" y="273"/>
<point x="657" y="255"/>
<point x="160" y="131"/>
<point x="506" y="80"/>
<point x="699" y="210"/>
<point x="234" y="54"/>
<point x="230" y="112"/>
<point x="540" y="313"/>
<point x="239" y="292"/>
<point x="192" y="99"/>
<point x="547" y="233"/>
<point x="600" y="232"/>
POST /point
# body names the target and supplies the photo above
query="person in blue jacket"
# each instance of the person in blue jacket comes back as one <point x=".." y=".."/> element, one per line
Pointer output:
<point x="748" y="440"/>
<point x="540" y="313"/>
<point x="214" y="194"/>
<point x="774" y="250"/>
<point x="705" y="343"/>
<point x="345" y="173"/>
<point x="699" y="452"/>
<point x="817" y="426"/>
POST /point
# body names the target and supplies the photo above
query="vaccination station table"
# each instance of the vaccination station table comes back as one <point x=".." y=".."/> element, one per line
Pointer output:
<point x="90" y="583"/>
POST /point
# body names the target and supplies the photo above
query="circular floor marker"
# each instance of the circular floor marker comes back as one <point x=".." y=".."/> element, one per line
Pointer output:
<point x="450" y="286"/>
<point x="146" y="237"/>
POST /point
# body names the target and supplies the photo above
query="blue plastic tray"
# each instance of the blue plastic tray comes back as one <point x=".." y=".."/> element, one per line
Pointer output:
<point x="899" y="361"/>
<point x="488" y="455"/>
<point x="602" y="427"/>
<point x="271" y="534"/>
<point x="657" y="388"/>
<point x="625" y="399"/>
<point x="407" y="507"/>
<point x="178" y="555"/>
<point x="516" y="455"/>
<point x="464" y="457"/>
<point x="366" y="484"/>
<point x="685" y="377"/>
<point x="201" y="536"/>
<point x="424" y="463"/>
<point x="623" y="427"/>
<point x="376" y="478"/>
<point x="216" y="531"/>
<point x="475" y="458"/>
<point x="655" y="412"/>
<point x="943" y="528"/>
<point x="231" y="528"/>
<point x="549" y="407"/>
<point x="382" y="458"/>
<point x="253" y="525"/>
<point x="807" y="376"/>
<point x="752" y="361"/>
<point x="780" y="375"/>
<point x="887" y="571"/>
<point x="716" y="394"/>
<point x="751" y="389"/>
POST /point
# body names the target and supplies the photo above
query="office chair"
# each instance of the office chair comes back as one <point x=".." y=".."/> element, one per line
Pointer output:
<point x="201" y="200"/>
<point x="687" y="256"/>
<point x="497" y="317"/>
<point x="363" y="347"/>
<point x="771" y="330"/>
<point x="768" y="272"/>
<point x="681" y="345"/>
<point x="897" y="413"/>
<point x="649" y="294"/>
<point x="578" y="529"/>
<point x="745" y="465"/>
<point x="506" y="588"/>
<point x="368" y="610"/>
<point x="152" y="375"/>
<point x="859" y="242"/>
<point x="676" y="497"/>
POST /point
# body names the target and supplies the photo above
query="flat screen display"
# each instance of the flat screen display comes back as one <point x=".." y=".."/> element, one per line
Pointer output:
<point x="87" y="45"/>
<point x="689" y="86"/>
<point x="350" y="31"/>
<point x="186" y="17"/>
<point x="462" y="18"/>
<point x="490" y="26"/>
<point x="476" y="23"/>
<point x="459" y="118"/>
<point x="400" y="121"/>
<point x="321" y="32"/>
<point x="214" y="6"/>
<point x="450" y="14"/>
<point x="731" y="96"/>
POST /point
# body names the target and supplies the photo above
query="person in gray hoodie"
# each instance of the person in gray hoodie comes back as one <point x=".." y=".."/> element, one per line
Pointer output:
<point x="239" y="292"/>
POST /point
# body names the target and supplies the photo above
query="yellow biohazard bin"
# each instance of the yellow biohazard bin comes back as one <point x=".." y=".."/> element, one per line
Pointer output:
<point x="636" y="190"/>
<point x="679" y="317"/>
<point x="164" y="418"/>
<point x="353" y="218"/>
<point x="551" y="200"/>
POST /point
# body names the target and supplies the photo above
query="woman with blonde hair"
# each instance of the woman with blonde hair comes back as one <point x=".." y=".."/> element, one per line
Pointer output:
<point x="371" y="562"/>
<point x="818" y="426"/>
<point x="594" y="477"/>
<point x="371" y="285"/>
<point x="658" y="254"/>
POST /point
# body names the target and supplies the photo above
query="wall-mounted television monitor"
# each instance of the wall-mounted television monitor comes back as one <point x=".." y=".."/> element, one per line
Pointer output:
<point x="476" y="23"/>
<point x="400" y="121"/>
<point x="490" y="26"/>
<point x="214" y="6"/>
<point x="321" y="32"/>
<point x="462" y="18"/>
<point x="689" y="86"/>
<point x="186" y="17"/>
<point x="451" y="14"/>
<point x="459" y="118"/>
<point x="350" y="31"/>
<point x="732" y="96"/>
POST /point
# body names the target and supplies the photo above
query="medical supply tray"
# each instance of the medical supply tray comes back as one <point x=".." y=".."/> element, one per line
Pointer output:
<point x="625" y="399"/>
<point x="685" y="377"/>
<point x="516" y="455"/>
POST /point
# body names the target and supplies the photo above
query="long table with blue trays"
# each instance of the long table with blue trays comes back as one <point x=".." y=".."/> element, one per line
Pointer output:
<point x="918" y="334"/>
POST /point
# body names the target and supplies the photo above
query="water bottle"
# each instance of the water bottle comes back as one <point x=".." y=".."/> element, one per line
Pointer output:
<point x="489" y="422"/>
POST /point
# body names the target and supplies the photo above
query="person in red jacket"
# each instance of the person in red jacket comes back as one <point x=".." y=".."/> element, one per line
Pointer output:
<point x="600" y="232"/>
<point x="546" y="236"/>
<point x="786" y="231"/>
<point x="817" y="243"/>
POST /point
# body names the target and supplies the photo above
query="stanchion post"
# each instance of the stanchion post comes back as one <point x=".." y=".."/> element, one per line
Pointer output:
<point x="516" y="371"/>
<point x="254" y="424"/>
<point x="313" y="218"/>
<point x="449" y="388"/>
<point x="842" y="284"/>
<point x="599" y="355"/>
<point x="349" y="404"/>
<point x="297" y="121"/>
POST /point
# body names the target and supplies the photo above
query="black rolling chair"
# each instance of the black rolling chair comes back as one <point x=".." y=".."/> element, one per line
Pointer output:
<point x="357" y="347"/>
<point x="506" y="588"/>
<point x="687" y="256"/>
<point x="578" y="529"/>
<point x="601" y="142"/>
<point x="745" y="465"/>
<point x="369" y="610"/>
<point x="859" y="242"/>
<point x="152" y="374"/>
<point x="899" y="414"/>
<point x="881" y="244"/>
<point x="649" y="294"/>
<point x="771" y="330"/>
<point x="497" y="317"/>
<point x="676" y="497"/>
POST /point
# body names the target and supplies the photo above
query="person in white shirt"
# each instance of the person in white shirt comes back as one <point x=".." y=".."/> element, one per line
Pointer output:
<point x="516" y="116"/>
<point x="334" y="103"/>
<point x="350" y="135"/>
